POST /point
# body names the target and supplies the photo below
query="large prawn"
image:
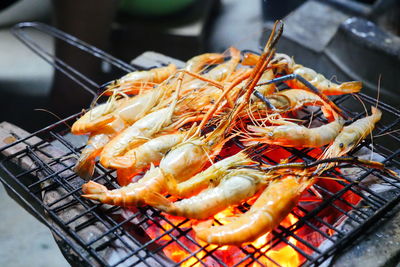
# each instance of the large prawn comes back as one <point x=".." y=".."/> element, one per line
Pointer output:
<point x="235" y="187"/>
<point x="326" y="86"/>
<point x="137" y="81"/>
<point x="285" y="63"/>
<point x="211" y="176"/>
<point x="130" y="195"/>
<point x="294" y="135"/>
<point x="271" y="207"/>
<point x="351" y="135"/>
<point x="85" y="164"/>
<point x="294" y="99"/>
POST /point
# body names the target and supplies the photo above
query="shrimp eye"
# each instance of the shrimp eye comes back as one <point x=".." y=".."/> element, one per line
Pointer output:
<point x="341" y="145"/>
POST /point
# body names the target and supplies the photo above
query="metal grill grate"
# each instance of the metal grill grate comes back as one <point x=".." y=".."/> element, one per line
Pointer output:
<point x="37" y="169"/>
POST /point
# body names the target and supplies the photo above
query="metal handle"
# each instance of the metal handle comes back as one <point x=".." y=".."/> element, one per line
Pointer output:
<point x="19" y="30"/>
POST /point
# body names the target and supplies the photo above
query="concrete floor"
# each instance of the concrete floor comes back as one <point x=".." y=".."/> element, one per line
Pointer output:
<point x="24" y="241"/>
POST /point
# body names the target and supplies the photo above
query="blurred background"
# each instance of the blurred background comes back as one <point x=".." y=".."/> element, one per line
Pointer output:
<point x="342" y="39"/>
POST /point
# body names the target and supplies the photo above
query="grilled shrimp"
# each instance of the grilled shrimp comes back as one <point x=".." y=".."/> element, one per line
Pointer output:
<point x="128" y="109"/>
<point x="219" y="73"/>
<point x="135" y="135"/>
<point x="351" y="135"/>
<point x="284" y="62"/>
<point x="235" y="187"/>
<point x="318" y="80"/>
<point x="135" y="82"/>
<point x="130" y="195"/>
<point x="141" y="157"/>
<point x="85" y="164"/>
<point x="293" y="135"/>
<point x="271" y="207"/>
<point x="196" y="64"/>
<point x="180" y="163"/>
<point x="97" y="117"/>
<point x="212" y="175"/>
<point x="149" y="152"/>
<point x="138" y="106"/>
<point x="189" y="157"/>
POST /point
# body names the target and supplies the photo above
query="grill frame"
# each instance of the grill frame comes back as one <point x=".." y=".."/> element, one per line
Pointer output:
<point x="88" y="252"/>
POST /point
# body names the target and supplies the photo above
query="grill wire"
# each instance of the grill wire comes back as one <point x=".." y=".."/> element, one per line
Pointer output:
<point x="122" y="229"/>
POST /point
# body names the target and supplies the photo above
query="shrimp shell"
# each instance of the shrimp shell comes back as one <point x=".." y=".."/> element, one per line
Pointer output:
<point x="135" y="135"/>
<point x="351" y="135"/>
<point x="293" y="135"/>
<point x="135" y="82"/>
<point x="197" y="63"/>
<point x="126" y="196"/>
<point x="212" y="175"/>
<point x="234" y="188"/>
<point x="272" y="206"/>
<point x="285" y="63"/>
<point x="150" y="152"/>
<point x="323" y="84"/>
<point x="85" y="165"/>
<point x="96" y="118"/>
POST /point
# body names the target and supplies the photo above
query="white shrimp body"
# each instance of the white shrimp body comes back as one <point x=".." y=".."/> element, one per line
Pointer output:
<point x="323" y="84"/>
<point x="293" y="135"/>
<point x="234" y="188"/>
<point x="350" y="136"/>
<point x="271" y="207"/>
<point x="184" y="160"/>
<point x="135" y="135"/>
<point x="211" y="176"/>
<point x="150" y="152"/>
<point x="96" y="117"/>
<point x="197" y="63"/>
<point x="138" y="106"/>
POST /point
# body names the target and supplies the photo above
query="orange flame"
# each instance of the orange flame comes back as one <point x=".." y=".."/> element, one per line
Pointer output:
<point x="231" y="255"/>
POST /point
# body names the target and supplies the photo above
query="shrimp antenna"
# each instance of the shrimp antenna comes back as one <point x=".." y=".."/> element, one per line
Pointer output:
<point x="55" y="115"/>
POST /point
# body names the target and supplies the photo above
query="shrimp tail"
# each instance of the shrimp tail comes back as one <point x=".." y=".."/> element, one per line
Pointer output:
<point x="94" y="191"/>
<point x="85" y="165"/>
<point x="375" y="111"/>
<point x="235" y="53"/>
<point x="158" y="201"/>
<point x="123" y="162"/>
<point x="350" y="87"/>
